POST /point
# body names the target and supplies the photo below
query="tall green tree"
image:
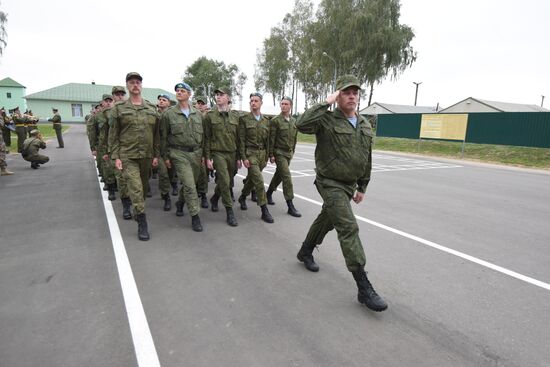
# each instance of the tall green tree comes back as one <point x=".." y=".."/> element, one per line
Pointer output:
<point x="3" y="33"/>
<point x="205" y="75"/>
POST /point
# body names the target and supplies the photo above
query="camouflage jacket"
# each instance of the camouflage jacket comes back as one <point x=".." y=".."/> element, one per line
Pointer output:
<point x="179" y="131"/>
<point x="220" y="132"/>
<point x="282" y="136"/>
<point x="253" y="135"/>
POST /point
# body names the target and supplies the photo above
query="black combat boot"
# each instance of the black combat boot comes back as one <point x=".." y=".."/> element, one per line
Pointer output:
<point x="266" y="216"/>
<point x="305" y="255"/>
<point x="155" y="174"/>
<point x="196" y="223"/>
<point x="167" y="202"/>
<point x="204" y="200"/>
<point x="269" y="195"/>
<point x="126" y="213"/>
<point x="179" y="208"/>
<point x="367" y="295"/>
<point x="253" y="196"/>
<point x="242" y="201"/>
<point x="105" y="187"/>
<point x="111" y="189"/>
<point x="292" y="210"/>
<point x="232" y="194"/>
<point x="231" y="220"/>
<point x="34" y="165"/>
<point x="149" y="194"/>
<point x="174" y="188"/>
<point x="214" y="202"/>
<point x="143" y="233"/>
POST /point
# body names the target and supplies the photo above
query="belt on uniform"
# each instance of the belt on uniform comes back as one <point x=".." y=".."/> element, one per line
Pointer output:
<point x="184" y="148"/>
<point x="20" y="125"/>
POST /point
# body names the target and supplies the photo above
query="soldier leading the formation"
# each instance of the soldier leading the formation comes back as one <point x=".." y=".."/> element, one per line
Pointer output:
<point x="343" y="160"/>
<point x="134" y="144"/>
<point x="56" y="122"/>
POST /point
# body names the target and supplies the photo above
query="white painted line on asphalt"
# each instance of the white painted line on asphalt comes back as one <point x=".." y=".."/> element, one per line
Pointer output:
<point x="436" y="246"/>
<point x="144" y="345"/>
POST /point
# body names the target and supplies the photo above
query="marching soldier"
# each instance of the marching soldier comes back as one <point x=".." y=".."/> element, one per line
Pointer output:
<point x="134" y="144"/>
<point x="282" y="133"/>
<point x="102" y="153"/>
<point x="182" y="147"/>
<point x="254" y="146"/>
<point x="221" y="144"/>
<point x="166" y="175"/>
<point x="343" y="160"/>
<point x="6" y="126"/>
<point x="30" y="149"/>
<point x="56" y="123"/>
<point x="202" y="184"/>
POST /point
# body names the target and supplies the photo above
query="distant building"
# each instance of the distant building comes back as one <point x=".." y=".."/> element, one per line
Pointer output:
<point x="75" y="100"/>
<point x="378" y="108"/>
<point x="12" y="95"/>
<point x="471" y="104"/>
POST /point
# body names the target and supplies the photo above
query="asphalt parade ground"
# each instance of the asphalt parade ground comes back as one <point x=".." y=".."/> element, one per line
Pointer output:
<point x="459" y="250"/>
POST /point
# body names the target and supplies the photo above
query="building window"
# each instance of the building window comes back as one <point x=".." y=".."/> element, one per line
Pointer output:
<point x="8" y="94"/>
<point x="76" y="109"/>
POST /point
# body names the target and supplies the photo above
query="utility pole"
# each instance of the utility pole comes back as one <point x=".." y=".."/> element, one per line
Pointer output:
<point x="416" y="93"/>
<point x="542" y="102"/>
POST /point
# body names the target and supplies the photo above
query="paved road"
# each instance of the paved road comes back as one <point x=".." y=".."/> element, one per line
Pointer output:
<point x="456" y="248"/>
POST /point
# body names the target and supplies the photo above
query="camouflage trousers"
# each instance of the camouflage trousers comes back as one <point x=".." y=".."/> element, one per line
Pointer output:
<point x="107" y="169"/>
<point x="282" y="174"/>
<point x="337" y="214"/>
<point x="3" y="163"/>
<point x="120" y="182"/>
<point x="21" y="132"/>
<point x="202" y="183"/>
<point x="254" y="179"/>
<point x="58" y="129"/>
<point x="37" y="158"/>
<point x="187" y="166"/>
<point x="136" y="174"/>
<point x="225" y="166"/>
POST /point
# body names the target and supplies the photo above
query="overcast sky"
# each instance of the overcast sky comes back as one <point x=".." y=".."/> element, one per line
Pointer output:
<point x="489" y="49"/>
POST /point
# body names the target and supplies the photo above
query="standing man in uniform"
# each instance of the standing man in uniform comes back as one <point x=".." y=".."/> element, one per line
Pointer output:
<point x="30" y="149"/>
<point x="343" y="160"/>
<point x="182" y="148"/>
<point x="56" y="122"/>
<point x="254" y="147"/>
<point x="6" y="131"/>
<point x="20" y="128"/>
<point x="32" y="122"/>
<point x="282" y="136"/>
<point x="221" y="145"/>
<point x="134" y="144"/>
<point x="166" y="175"/>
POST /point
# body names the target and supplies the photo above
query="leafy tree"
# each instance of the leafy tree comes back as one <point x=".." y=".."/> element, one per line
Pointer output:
<point x="205" y="75"/>
<point x="3" y="33"/>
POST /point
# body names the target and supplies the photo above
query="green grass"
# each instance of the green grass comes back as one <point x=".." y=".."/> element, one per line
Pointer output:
<point x="46" y="130"/>
<point x="500" y="154"/>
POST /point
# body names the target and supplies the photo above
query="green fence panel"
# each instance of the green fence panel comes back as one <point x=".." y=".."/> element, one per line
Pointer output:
<point x="399" y="125"/>
<point x="530" y="129"/>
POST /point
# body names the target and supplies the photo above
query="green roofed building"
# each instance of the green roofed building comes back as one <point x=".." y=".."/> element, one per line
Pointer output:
<point x="12" y="94"/>
<point x="75" y="100"/>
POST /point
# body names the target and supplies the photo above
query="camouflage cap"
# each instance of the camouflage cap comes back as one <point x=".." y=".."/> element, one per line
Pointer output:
<point x="34" y="132"/>
<point x="107" y="96"/>
<point x="201" y="99"/>
<point x="347" y="81"/>
<point x="118" y="88"/>
<point x="54" y="109"/>
<point x="133" y="75"/>
<point x="223" y="90"/>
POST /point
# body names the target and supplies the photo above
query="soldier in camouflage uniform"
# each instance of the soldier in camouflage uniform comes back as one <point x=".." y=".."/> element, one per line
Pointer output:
<point x="6" y="131"/>
<point x="107" y="169"/>
<point x="119" y="94"/>
<point x="182" y="147"/>
<point x="254" y="147"/>
<point x="134" y="144"/>
<point x="202" y="184"/>
<point x="221" y="145"/>
<point x="3" y="165"/>
<point x="166" y="176"/>
<point x="343" y="160"/>
<point x="282" y="136"/>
